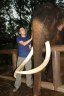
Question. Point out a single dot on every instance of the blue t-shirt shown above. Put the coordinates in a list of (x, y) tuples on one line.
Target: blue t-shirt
[(23, 51)]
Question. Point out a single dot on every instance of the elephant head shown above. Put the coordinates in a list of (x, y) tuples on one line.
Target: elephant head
[(47, 22)]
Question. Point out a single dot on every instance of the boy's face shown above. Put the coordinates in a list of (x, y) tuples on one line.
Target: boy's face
[(22, 31)]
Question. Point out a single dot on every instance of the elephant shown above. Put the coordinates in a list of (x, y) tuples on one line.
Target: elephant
[(46, 24)]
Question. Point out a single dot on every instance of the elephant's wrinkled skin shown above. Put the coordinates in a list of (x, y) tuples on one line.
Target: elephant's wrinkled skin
[(45, 21)]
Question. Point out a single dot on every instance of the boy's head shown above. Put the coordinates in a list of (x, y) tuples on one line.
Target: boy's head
[(22, 31)]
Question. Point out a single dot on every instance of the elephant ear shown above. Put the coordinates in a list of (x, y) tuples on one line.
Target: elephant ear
[(37, 69)]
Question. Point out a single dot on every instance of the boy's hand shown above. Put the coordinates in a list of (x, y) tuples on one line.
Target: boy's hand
[(31, 36)]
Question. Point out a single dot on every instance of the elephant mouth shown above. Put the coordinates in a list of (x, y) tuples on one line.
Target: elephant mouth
[(19, 70)]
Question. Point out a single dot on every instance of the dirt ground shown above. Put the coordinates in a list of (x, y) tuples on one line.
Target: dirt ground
[(6, 88), (6, 85)]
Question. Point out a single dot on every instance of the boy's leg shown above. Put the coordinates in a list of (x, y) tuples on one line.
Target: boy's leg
[(29, 79), (18, 77), (17, 83)]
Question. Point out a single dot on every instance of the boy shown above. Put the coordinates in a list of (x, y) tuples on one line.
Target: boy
[(24, 44)]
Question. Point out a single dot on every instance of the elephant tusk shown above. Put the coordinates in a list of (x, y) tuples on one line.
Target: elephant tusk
[(43, 65), (24, 62)]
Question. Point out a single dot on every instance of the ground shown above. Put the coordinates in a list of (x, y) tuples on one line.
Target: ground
[(6, 88), (6, 85)]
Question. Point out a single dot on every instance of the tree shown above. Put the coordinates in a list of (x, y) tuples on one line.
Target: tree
[(14, 13)]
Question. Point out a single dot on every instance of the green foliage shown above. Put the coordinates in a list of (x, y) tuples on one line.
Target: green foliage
[(14, 13), (17, 12)]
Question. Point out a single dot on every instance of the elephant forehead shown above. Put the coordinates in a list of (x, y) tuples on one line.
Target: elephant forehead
[(37, 25)]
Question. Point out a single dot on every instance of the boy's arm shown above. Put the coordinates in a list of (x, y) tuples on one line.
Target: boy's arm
[(26, 42)]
